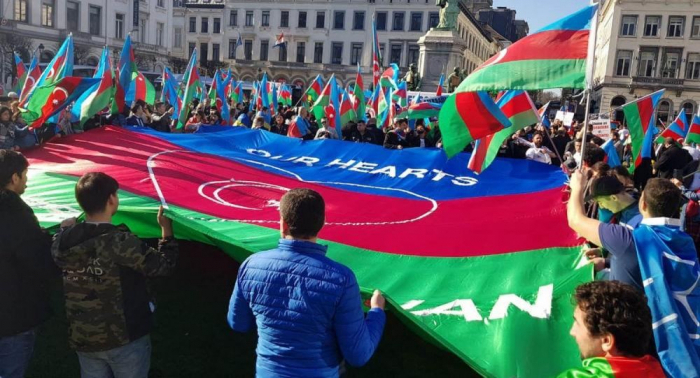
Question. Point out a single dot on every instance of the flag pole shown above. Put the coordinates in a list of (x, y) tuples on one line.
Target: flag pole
[(589, 84)]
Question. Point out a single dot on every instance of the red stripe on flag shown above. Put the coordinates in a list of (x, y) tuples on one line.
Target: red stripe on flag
[(476, 163), (475, 116), (555, 44), (517, 105)]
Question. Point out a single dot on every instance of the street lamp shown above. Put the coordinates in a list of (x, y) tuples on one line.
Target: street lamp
[(41, 51)]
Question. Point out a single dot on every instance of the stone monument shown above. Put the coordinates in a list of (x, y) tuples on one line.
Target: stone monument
[(441, 48)]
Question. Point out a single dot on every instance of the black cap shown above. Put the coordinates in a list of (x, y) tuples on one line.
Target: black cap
[(604, 186)]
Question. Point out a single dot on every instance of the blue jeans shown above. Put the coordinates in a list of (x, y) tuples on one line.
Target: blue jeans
[(132, 360), (15, 353)]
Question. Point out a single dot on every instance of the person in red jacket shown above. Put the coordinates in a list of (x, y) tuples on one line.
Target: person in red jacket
[(612, 327)]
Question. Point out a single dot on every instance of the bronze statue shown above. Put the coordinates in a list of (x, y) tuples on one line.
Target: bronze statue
[(454, 80), (412, 78), (449, 11)]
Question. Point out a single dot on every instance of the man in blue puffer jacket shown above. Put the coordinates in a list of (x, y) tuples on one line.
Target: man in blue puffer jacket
[(307, 307)]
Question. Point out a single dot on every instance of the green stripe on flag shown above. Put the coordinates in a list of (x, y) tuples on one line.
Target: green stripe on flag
[(455, 133), (528, 75)]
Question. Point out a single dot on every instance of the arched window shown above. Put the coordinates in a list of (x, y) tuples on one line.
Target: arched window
[(664, 112), (46, 56), (92, 61), (616, 102), (689, 109)]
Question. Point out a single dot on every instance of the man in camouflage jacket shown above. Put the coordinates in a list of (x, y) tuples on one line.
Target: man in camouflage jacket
[(105, 268)]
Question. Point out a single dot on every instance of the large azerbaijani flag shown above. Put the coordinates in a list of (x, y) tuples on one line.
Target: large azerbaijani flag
[(482, 287), (553, 57), (521, 112)]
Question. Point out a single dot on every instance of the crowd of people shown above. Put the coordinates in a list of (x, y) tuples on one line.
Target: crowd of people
[(311, 331), (159, 116)]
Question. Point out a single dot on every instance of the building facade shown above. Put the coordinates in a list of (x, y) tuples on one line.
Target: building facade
[(322, 37), (94, 24), (503, 20), (646, 45)]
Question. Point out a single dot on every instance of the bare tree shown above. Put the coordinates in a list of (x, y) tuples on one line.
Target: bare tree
[(9, 43), (80, 54), (177, 64)]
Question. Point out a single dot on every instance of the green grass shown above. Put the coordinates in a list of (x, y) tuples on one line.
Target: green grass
[(192, 339)]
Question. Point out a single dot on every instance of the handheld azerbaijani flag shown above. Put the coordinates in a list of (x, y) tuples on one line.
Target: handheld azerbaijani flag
[(694, 131), (640, 122), (676, 130), (553, 57)]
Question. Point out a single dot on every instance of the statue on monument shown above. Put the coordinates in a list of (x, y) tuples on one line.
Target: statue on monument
[(454, 80), (412, 78), (449, 11)]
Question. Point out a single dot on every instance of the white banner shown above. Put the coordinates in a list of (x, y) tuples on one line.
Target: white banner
[(567, 118), (600, 125)]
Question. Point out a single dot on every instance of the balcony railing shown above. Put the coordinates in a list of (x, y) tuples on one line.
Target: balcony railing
[(661, 81)]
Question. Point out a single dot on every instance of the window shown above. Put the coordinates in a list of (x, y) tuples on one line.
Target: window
[(264, 49), (217, 25), (73, 15), (647, 63), (265, 18), (395, 54), (413, 53), (142, 31), (318, 52), (159, 33), (205, 25), (664, 110), (302, 20), (301, 52), (689, 109), (381, 20), (337, 53), (284, 19), (119, 26), (248, 18), (671, 64), (283, 53), (356, 53), (47, 13), (232, 49), (651, 26), (191, 48), (675, 26), (693, 67), (624, 60), (233, 18), (433, 19), (320, 20), (695, 31), (161, 3), (248, 50), (416, 21), (193, 25), (398, 21), (215, 50), (382, 49), (95, 20), (21, 11), (629, 26), (204, 52), (339, 20), (358, 22), (177, 38)]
